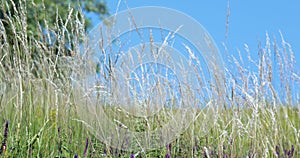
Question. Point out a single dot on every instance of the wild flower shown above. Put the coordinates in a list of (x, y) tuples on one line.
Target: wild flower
[(86, 147), (289, 153), (5, 135), (168, 155)]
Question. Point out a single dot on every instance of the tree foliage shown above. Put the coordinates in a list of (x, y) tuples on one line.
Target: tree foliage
[(35, 31), (51, 10)]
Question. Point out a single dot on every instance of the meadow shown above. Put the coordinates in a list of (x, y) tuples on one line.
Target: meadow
[(39, 114)]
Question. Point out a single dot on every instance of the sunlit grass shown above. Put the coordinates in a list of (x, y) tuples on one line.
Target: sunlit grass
[(40, 108)]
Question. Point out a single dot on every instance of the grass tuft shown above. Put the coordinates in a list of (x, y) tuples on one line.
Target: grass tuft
[(259, 117)]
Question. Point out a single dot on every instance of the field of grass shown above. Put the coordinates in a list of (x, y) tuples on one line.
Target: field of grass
[(39, 114)]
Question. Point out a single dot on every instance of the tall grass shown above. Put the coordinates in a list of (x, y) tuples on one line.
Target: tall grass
[(39, 108)]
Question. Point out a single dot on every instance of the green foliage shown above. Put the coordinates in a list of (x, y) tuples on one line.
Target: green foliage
[(38, 11), (54, 28)]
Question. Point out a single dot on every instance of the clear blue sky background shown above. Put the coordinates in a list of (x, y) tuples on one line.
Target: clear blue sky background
[(249, 21)]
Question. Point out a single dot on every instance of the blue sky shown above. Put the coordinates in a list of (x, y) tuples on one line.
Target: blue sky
[(249, 21)]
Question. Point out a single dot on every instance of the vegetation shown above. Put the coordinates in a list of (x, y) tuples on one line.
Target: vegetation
[(43, 21), (39, 110)]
